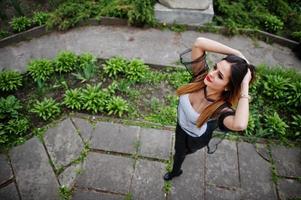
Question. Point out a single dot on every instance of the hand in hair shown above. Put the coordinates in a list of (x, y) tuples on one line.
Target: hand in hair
[(247, 78)]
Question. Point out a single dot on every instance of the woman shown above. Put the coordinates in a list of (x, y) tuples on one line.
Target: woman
[(206, 103)]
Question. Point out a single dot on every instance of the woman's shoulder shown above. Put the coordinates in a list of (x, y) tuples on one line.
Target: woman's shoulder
[(225, 108)]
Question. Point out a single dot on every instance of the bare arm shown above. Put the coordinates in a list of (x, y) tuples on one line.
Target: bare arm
[(239, 121), (201, 45)]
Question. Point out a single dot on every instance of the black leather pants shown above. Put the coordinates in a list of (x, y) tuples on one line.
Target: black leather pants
[(186, 144)]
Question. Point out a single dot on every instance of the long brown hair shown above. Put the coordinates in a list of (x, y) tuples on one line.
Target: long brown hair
[(239, 68)]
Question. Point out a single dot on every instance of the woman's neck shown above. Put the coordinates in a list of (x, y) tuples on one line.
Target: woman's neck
[(211, 94)]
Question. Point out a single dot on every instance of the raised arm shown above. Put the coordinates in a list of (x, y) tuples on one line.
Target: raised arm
[(239, 121), (202, 45)]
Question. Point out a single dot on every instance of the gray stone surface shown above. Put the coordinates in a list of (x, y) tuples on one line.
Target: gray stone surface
[(63, 143), (190, 185), (155, 143), (289, 189), (183, 16), (34, 176), (263, 151), (107, 41), (107, 173), (255, 174), (287, 161), (84, 127), (187, 4), (115, 137), (9, 192), (222, 166), (147, 181), (68, 176), (216, 193), (91, 195), (5, 170)]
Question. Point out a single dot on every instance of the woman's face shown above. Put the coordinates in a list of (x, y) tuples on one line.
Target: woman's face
[(217, 79)]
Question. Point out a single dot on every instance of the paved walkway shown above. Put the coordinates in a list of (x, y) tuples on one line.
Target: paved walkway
[(152, 45), (124, 161), (130, 160)]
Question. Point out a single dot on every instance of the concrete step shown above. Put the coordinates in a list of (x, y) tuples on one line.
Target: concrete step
[(183, 16)]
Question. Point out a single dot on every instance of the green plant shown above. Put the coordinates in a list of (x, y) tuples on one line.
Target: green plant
[(296, 35), (116, 8), (232, 27), (94, 99), (70, 13), (274, 126), (141, 12), (13, 130), (117, 106), (281, 85), (87, 67), (40, 70), (40, 18), (46, 109), (3, 34), (86, 59), (65, 193), (254, 122), (168, 166), (111, 89), (10, 80), (296, 124), (3, 136), (178, 28), (272, 23), (65, 61), (39, 132), (84, 153), (167, 186), (73, 99), (163, 114), (17, 6), (115, 66), (9, 107), (18, 126), (282, 17), (155, 77), (20, 24), (136, 70), (128, 196), (124, 86), (179, 78)]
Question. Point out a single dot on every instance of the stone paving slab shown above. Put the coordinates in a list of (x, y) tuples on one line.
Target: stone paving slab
[(191, 184), (147, 181), (287, 161), (255, 174), (216, 193), (85, 128), (68, 176), (222, 166), (5, 170), (92, 195), (34, 176), (115, 137), (289, 189), (155, 143), (263, 151), (63, 143), (107, 173), (9, 192)]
